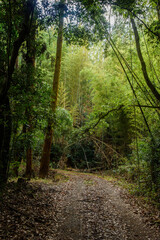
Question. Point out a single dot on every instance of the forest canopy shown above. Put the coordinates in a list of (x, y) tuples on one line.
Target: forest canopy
[(79, 88)]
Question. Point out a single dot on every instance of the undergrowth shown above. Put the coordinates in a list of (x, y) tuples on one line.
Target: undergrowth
[(135, 188)]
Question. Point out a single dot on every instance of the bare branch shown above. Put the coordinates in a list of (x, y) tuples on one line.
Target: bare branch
[(102, 116)]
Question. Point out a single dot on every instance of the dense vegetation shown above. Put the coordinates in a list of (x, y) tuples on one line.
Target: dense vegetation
[(80, 88)]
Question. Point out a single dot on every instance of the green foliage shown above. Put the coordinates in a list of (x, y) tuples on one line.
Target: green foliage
[(75, 83), (62, 133), (56, 154), (150, 153), (63, 123), (92, 83), (142, 167), (83, 156)]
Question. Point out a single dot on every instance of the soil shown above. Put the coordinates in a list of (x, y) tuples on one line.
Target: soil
[(78, 207)]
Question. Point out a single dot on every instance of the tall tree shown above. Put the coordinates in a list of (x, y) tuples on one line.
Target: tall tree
[(30, 61), (44, 166), (13, 46)]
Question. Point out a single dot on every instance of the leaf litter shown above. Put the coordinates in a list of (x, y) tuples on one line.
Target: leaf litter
[(82, 207)]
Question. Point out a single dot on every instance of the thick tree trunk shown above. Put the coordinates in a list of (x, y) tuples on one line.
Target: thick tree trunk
[(44, 166), (143, 64)]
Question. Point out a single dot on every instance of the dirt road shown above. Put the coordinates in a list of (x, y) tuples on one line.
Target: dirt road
[(84, 207)]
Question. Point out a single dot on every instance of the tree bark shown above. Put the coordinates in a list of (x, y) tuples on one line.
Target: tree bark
[(30, 61), (143, 64), (44, 166)]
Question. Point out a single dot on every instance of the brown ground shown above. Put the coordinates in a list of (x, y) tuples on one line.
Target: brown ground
[(83, 207)]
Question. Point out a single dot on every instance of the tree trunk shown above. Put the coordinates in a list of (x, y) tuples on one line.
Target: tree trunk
[(143, 64), (5, 127), (28, 163), (30, 61), (44, 166), (29, 8), (19, 152), (158, 9), (152, 88), (5, 111)]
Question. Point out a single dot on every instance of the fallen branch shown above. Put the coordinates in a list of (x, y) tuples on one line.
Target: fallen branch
[(107, 145), (104, 155)]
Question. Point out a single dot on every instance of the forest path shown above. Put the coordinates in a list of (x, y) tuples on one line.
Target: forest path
[(82, 207), (90, 207)]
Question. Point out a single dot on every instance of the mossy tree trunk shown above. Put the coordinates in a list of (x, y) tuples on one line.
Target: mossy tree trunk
[(44, 165)]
